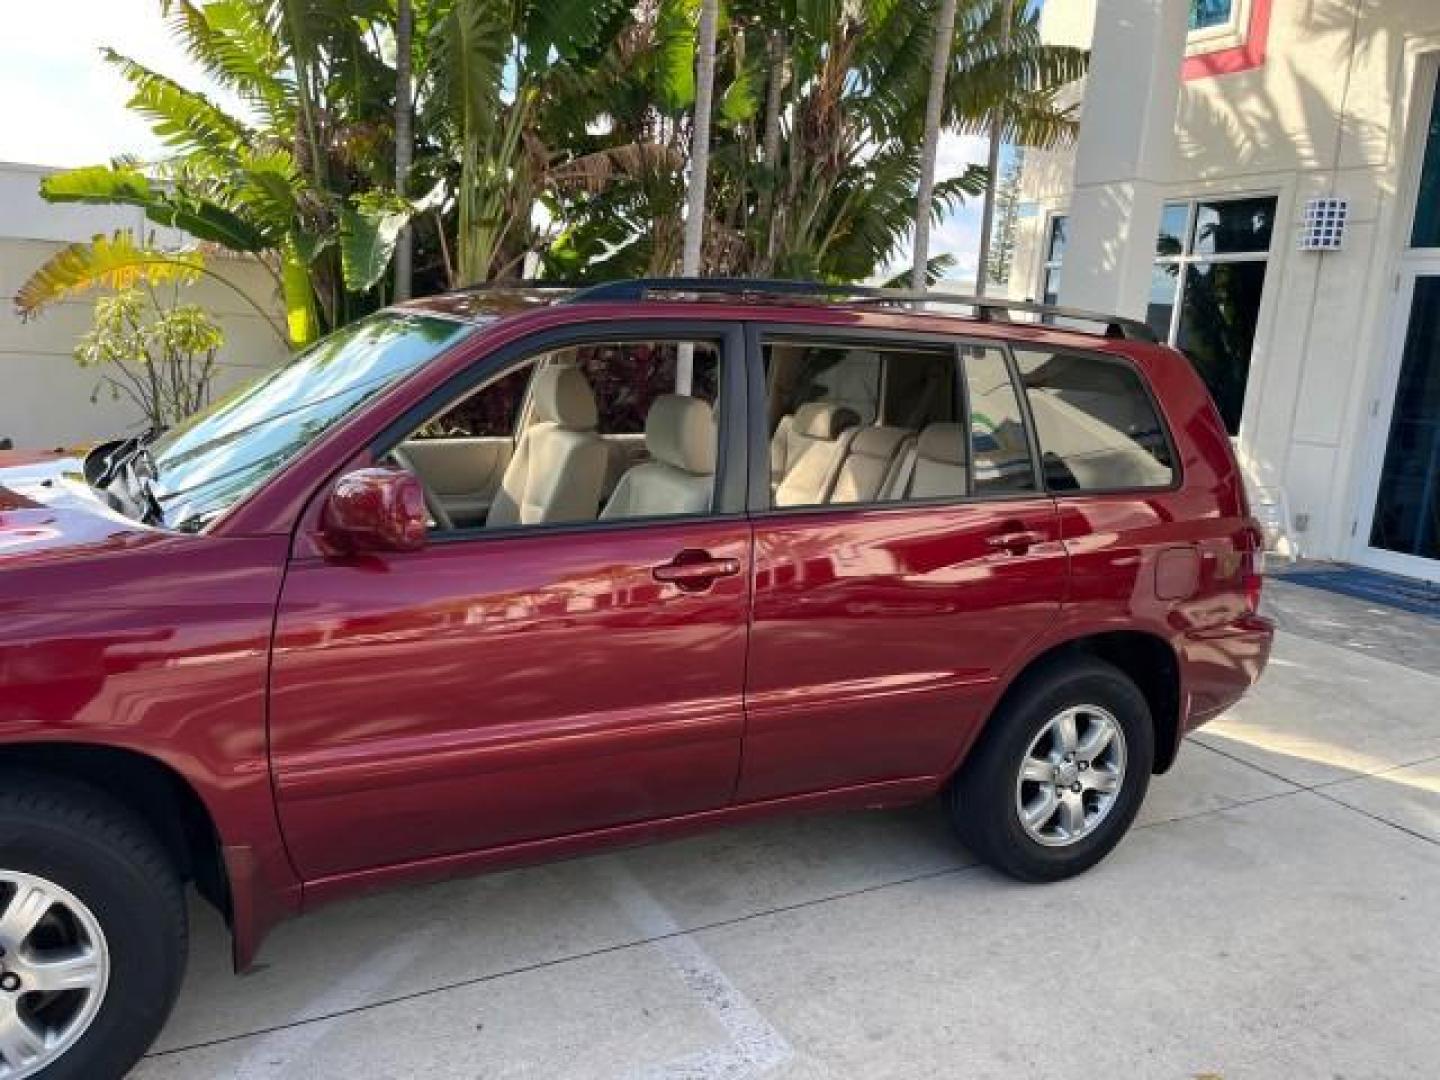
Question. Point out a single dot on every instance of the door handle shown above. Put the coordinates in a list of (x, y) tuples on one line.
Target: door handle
[(1016, 543), (695, 571)]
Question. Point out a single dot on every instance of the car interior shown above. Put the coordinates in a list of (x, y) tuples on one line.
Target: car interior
[(611, 431), (880, 424), (598, 432)]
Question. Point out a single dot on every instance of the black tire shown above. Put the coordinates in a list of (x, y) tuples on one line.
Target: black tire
[(981, 798), (88, 844)]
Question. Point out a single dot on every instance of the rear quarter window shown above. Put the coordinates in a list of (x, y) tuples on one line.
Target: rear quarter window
[(1096, 424)]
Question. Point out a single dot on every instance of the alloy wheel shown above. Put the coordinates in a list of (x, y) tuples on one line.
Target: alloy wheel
[(54, 969), (1071, 775)]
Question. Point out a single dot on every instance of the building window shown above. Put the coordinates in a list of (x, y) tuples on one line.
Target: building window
[(1224, 32), (1209, 14), (1205, 289), (1054, 256)]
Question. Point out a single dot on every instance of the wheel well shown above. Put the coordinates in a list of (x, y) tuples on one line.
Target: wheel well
[(1149, 662), (150, 789)]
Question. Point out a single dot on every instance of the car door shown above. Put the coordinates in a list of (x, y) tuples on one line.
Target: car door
[(885, 614), (504, 685)]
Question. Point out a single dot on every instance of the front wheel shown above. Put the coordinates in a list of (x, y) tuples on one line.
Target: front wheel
[(1060, 773), (92, 933)]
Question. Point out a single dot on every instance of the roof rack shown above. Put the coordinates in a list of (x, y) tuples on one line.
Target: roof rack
[(986, 309)]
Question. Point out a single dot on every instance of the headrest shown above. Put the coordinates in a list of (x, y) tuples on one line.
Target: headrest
[(822, 420), (878, 442), (563, 396), (944, 443), (680, 431)]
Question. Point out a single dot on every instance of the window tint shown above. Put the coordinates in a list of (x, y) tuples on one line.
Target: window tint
[(629, 376), (605, 437), (999, 451), (1426, 230), (850, 423), (1097, 427), (1234, 226), (1205, 14), (492, 412), (1206, 287)]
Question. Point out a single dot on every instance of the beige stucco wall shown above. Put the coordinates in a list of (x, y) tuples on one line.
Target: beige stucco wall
[(44, 394), (1328, 113)]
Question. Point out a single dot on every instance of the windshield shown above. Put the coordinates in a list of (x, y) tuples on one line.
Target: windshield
[(212, 460)]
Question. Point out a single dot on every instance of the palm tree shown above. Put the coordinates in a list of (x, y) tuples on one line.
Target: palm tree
[(818, 158), (298, 187), (992, 167), (404, 137), (934, 104), (700, 139)]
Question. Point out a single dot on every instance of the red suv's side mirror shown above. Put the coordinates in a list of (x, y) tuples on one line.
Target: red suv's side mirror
[(376, 510)]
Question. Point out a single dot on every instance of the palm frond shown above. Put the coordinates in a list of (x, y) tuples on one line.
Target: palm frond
[(183, 119), (113, 262)]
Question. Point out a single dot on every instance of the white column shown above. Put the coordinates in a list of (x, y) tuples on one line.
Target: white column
[(1127, 135)]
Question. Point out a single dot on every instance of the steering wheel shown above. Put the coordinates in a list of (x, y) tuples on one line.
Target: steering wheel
[(436, 509)]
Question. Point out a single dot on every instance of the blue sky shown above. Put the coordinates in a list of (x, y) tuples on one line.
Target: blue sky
[(67, 104)]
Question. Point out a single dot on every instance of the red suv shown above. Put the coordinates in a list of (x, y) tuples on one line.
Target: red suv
[(498, 577)]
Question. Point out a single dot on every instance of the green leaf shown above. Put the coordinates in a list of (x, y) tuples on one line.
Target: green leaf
[(740, 102), (108, 186), (185, 120), (300, 319), (370, 226), (114, 262), (676, 26)]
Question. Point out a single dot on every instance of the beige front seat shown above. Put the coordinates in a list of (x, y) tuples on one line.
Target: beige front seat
[(934, 467), (680, 477), (558, 468), (806, 452)]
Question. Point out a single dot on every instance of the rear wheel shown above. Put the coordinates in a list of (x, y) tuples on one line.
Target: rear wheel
[(1060, 773), (92, 933)]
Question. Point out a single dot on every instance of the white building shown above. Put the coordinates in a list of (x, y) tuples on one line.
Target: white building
[(1209, 130), (44, 395)]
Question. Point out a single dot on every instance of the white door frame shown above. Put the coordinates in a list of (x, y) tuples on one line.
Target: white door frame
[(1413, 265)]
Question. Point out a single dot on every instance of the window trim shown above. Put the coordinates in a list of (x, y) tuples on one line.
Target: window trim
[(728, 503), (1177, 465), (756, 335)]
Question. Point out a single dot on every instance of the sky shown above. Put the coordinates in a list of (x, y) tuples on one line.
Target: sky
[(68, 105)]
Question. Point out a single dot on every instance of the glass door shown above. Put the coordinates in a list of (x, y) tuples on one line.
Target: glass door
[(1403, 531), (1405, 527)]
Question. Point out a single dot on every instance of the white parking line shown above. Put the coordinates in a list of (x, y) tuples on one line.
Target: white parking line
[(283, 1053), (755, 1047)]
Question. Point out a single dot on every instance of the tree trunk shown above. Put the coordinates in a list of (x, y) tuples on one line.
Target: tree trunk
[(699, 172), (997, 132), (404, 139), (700, 139), (934, 102), (770, 143)]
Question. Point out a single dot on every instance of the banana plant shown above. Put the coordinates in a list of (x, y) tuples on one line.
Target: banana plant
[(266, 185), (119, 262), (496, 66)]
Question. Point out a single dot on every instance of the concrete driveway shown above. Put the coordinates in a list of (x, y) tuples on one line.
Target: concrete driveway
[(1276, 914)]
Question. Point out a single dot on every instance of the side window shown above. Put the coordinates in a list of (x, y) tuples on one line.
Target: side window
[(595, 433), (999, 449), (493, 412), (1097, 427), (862, 423)]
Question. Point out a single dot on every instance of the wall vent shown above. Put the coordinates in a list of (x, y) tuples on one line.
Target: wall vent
[(1324, 226)]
